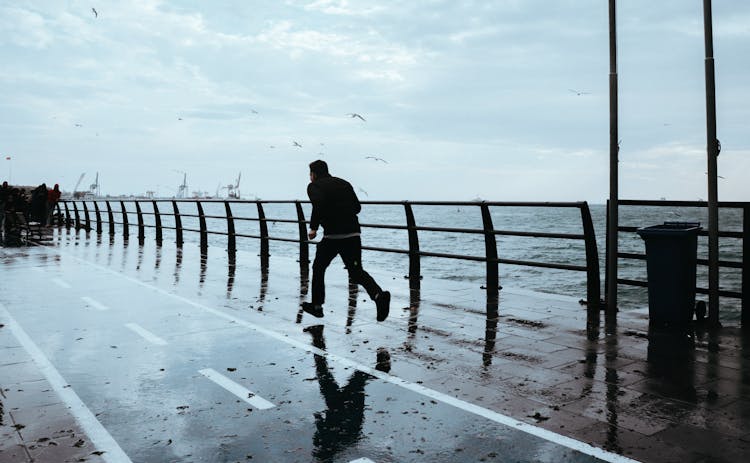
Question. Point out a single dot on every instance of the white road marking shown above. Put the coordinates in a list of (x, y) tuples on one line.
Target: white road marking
[(236, 389), (60, 283), (93, 303), (491, 415), (95, 431), (146, 334)]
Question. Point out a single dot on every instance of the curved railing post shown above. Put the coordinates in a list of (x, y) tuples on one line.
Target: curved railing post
[(177, 225), (141, 226), (86, 216), (59, 213), (125, 226), (593, 287), (745, 317), (231, 238), (157, 224), (490, 249), (98, 219), (67, 215), (304, 245), (204, 231), (111, 219), (263, 235), (78, 218), (414, 264)]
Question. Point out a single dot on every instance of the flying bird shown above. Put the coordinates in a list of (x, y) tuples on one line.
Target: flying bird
[(353, 115), (253, 111), (579, 93), (363, 191), (717, 175), (96, 14), (294, 143), (79, 125), (376, 159), (271, 146)]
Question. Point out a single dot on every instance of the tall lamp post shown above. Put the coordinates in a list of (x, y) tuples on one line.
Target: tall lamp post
[(610, 317), (712, 153)]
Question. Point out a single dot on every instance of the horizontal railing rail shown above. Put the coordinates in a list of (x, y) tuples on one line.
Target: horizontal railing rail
[(743, 235), (490, 256)]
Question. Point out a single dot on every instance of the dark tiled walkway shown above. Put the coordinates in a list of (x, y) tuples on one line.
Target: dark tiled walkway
[(647, 400)]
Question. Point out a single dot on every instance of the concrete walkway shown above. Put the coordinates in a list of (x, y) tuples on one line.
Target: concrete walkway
[(115, 352)]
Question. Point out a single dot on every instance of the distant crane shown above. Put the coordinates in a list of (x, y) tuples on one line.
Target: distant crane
[(94, 187), (182, 190), (76, 193), (233, 190)]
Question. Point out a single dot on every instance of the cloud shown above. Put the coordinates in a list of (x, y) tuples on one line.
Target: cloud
[(24, 28), (342, 8)]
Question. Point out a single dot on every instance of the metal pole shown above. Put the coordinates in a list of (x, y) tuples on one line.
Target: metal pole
[(712, 153), (610, 319)]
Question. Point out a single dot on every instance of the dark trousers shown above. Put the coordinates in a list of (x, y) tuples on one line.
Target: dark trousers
[(350, 250)]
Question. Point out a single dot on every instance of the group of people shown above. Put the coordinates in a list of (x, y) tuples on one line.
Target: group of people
[(34, 204)]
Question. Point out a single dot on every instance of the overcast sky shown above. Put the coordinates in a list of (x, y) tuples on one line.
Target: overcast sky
[(463, 99)]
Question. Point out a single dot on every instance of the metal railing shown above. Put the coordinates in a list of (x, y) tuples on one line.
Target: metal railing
[(743, 265), (490, 258)]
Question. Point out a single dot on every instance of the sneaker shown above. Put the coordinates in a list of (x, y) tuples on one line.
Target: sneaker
[(312, 309), (383, 303)]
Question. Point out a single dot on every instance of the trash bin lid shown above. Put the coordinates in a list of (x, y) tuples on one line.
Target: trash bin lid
[(670, 229)]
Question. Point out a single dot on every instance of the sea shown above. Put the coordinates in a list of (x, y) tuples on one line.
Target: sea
[(512, 218)]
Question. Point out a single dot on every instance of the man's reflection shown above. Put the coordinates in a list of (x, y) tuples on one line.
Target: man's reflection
[(340, 426)]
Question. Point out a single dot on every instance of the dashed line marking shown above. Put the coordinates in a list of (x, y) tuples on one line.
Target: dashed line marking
[(146, 334), (491, 415), (93, 303), (236, 389), (61, 283), (95, 431)]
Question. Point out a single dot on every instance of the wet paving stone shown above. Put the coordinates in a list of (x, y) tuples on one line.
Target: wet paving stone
[(139, 365)]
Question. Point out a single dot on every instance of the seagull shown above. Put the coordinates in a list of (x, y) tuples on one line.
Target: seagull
[(353, 115), (96, 14), (717, 175), (294, 143), (271, 146), (578, 92), (79, 125), (376, 159), (179, 118), (363, 191), (253, 111)]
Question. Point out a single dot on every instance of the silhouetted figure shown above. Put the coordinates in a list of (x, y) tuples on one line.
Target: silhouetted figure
[(335, 206), (38, 204), (53, 196), (340, 426)]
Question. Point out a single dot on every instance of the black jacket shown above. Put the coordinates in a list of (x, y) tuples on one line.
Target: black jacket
[(335, 206)]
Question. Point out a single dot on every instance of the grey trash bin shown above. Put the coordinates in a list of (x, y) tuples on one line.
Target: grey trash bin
[(671, 255)]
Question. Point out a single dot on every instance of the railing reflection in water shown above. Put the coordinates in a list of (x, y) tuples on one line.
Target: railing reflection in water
[(491, 258)]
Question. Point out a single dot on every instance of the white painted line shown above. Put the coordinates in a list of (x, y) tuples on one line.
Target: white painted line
[(146, 334), (236, 389), (542, 433), (60, 283), (93, 303), (95, 431), (362, 460)]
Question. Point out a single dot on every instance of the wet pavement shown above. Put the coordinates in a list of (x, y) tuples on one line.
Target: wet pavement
[(119, 352)]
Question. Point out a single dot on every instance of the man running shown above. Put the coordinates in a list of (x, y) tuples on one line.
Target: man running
[(335, 206)]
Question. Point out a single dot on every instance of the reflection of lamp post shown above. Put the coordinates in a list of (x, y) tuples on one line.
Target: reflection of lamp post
[(10, 169)]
